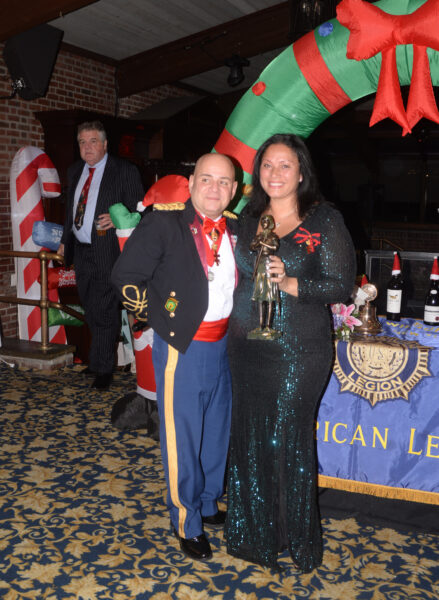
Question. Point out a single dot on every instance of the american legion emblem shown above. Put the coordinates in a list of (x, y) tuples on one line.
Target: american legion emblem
[(380, 368)]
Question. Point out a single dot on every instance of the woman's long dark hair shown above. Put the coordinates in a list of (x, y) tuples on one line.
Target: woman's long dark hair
[(308, 192)]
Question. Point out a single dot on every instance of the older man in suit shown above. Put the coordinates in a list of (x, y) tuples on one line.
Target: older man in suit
[(89, 240)]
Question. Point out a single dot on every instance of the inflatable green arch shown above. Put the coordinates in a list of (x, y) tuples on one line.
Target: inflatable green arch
[(383, 45), (313, 78)]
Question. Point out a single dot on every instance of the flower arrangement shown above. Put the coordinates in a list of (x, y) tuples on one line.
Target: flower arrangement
[(343, 319)]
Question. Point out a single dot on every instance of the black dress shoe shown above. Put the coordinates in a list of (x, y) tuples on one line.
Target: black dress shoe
[(102, 381), (215, 520), (197, 548)]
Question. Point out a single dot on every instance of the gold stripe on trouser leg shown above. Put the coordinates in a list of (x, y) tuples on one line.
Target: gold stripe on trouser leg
[(171, 438)]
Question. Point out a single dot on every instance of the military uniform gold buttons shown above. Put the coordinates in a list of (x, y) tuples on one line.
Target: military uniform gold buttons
[(171, 333)]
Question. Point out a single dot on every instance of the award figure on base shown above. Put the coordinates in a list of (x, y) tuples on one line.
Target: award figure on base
[(265, 292)]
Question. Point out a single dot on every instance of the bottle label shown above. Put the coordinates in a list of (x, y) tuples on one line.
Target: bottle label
[(431, 314), (394, 301)]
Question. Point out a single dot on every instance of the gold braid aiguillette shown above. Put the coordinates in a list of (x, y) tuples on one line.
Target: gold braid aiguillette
[(135, 302)]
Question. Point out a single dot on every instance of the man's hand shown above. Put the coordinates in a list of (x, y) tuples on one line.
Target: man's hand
[(105, 221), (60, 250)]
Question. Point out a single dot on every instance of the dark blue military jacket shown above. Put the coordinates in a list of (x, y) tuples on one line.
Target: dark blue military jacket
[(161, 277)]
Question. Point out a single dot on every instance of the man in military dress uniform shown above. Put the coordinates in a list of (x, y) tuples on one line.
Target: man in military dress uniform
[(177, 274)]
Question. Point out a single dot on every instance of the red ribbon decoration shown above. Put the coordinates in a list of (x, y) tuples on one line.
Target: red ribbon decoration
[(317, 74), (310, 239), (372, 31), (229, 144)]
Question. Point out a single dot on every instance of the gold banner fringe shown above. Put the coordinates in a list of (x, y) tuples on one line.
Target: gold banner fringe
[(374, 489)]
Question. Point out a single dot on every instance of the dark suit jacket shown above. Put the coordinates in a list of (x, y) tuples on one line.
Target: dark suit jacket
[(160, 276), (120, 183)]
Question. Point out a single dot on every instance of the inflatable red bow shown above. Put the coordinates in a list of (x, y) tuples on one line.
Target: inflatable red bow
[(372, 31)]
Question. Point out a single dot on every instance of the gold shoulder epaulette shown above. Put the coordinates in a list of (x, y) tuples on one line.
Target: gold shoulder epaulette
[(169, 206), (229, 214)]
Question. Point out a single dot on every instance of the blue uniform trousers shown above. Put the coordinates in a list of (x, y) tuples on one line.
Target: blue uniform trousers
[(194, 398)]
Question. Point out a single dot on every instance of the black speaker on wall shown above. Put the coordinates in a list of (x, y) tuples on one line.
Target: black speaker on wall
[(30, 57)]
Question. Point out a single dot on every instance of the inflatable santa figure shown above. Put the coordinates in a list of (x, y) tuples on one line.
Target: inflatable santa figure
[(139, 409)]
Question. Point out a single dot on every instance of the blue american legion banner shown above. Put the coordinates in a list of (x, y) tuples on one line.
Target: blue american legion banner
[(378, 422)]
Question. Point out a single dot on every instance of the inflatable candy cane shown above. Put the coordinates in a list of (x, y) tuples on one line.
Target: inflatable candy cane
[(32, 175)]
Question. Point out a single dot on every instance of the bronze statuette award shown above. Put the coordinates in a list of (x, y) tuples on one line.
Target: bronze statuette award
[(265, 292)]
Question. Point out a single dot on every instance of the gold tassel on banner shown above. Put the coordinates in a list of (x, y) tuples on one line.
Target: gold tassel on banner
[(374, 489)]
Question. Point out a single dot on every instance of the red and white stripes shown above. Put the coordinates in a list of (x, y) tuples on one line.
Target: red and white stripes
[(32, 175)]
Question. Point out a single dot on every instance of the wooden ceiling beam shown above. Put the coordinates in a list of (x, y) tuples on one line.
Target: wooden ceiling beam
[(22, 15), (247, 36)]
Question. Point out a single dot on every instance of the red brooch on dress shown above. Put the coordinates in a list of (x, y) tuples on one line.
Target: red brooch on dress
[(310, 239)]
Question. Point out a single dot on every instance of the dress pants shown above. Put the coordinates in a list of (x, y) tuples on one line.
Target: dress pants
[(194, 400), (101, 306)]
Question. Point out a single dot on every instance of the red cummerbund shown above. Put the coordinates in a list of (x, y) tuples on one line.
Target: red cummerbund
[(212, 331)]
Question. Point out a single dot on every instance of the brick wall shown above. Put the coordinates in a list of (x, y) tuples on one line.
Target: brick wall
[(77, 82)]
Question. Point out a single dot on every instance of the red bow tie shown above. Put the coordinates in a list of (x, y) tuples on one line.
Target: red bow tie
[(215, 230), (209, 225)]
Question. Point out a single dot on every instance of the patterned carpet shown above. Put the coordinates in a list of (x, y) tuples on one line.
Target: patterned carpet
[(82, 516)]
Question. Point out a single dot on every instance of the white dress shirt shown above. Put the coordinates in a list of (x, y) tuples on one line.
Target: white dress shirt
[(223, 283), (83, 234)]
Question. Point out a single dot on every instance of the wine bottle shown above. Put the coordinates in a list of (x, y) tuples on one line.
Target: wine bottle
[(431, 308), (434, 275), (394, 291)]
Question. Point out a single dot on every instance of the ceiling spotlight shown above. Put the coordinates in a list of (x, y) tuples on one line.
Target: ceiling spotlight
[(236, 75)]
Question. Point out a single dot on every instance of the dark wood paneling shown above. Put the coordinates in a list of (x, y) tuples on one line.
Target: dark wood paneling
[(247, 36), (16, 17)]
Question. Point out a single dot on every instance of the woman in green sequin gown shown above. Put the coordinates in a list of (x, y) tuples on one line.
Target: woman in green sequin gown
[(277, 384)]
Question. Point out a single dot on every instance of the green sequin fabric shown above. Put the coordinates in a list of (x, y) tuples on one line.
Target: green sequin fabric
[(277, 385)]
